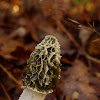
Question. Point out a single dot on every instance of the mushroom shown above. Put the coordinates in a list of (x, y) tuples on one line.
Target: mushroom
[(42, 74)]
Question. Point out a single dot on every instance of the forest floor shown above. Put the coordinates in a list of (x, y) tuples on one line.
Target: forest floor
[(75, 23)]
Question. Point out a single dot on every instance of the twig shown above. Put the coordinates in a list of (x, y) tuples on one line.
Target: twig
[(91, 28), (96, 40), (92, 58), (10, 75), (68, 34), (66, 61), (6, 93)]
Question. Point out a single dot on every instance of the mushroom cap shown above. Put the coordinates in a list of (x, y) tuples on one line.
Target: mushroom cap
[(42, 73)]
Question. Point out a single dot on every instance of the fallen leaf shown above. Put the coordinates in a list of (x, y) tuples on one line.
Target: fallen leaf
[(21, 53), (77, 80), (3, 98), (50, 97), (8, 45)]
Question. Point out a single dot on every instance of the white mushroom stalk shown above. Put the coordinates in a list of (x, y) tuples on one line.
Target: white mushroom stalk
[(31, 95), (42, 73)]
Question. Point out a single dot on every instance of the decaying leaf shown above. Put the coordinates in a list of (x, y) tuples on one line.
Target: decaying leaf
[(20, 53), (77, 80), (24, 23), (7, 46)]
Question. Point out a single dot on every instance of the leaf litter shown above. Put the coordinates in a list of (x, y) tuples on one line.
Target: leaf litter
[(22, 28)]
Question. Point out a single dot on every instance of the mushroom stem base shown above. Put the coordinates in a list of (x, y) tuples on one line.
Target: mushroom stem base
[(28, 94)]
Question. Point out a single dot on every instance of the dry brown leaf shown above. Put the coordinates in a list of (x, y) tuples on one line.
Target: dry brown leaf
[(15, 49), (3, 98), (50, 97), (8, 45), (21, 53), (78, 79)]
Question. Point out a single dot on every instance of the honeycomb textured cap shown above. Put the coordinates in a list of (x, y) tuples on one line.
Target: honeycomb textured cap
[(42, 73)]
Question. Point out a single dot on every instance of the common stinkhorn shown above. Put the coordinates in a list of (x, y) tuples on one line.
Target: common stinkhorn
[(42, 74)]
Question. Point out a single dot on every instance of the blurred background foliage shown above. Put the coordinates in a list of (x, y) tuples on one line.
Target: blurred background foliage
[(75, 23)]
